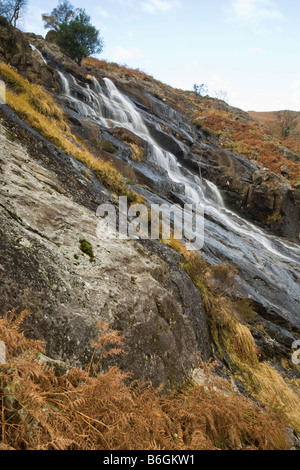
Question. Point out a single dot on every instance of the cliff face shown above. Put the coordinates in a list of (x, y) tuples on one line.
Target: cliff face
[(45, 212), (48, 203)]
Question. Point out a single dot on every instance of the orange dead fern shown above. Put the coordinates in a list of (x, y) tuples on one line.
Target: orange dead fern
[(92, 410)]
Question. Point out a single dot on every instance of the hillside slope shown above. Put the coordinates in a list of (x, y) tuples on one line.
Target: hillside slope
[(73, 138), (272, 123)]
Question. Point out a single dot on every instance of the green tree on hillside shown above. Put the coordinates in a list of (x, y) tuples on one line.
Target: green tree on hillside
[(78, 38)]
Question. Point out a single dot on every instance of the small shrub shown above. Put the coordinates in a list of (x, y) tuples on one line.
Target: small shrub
[(224, 277), (197, 124), (158, 96), (107, 146), (87, 249)]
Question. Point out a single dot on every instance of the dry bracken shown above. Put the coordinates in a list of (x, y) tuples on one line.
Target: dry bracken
[(93, 410)]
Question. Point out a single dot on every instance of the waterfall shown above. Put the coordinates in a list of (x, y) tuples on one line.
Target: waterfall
[(126, 115), (39, 52), (113, 109), (213, 193), (64, 83)]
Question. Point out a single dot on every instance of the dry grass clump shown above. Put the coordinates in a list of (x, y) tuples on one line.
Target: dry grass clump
[(37, 107), (93, 410), (269, 386), (232, 337), (137, 153)]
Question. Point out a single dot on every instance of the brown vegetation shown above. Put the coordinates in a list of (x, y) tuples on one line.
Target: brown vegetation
[(270, 121), (248, 138), (94, 410), (233, 338), (117, 68)]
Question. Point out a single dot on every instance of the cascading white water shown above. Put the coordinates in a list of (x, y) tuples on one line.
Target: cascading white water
[(64, 83), (39, 52), (126, 115), (112, 109), (214, 193)]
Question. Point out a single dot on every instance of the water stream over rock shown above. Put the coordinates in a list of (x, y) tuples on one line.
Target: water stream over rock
[(269, 267)]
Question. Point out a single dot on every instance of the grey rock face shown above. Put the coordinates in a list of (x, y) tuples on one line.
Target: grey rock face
[(47, 204), (294, 439), (2, 352), (133, 287)]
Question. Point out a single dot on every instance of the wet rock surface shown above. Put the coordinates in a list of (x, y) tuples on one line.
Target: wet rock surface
[(48, 205), (257, 194), (43, 270)]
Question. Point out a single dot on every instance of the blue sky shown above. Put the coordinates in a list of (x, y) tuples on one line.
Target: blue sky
[(249, 48)]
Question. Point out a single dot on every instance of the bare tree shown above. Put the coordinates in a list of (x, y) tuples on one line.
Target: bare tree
[(63, 13), (221, 95), (286, 122), (12, 10), (200, 89)]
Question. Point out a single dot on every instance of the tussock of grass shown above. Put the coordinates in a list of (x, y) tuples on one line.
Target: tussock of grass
[(107, 146), (37, 107), (231, 336), (268, 385), (90, 410), (137, 153)]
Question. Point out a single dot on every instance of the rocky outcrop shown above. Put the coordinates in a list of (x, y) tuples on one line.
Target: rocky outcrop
[(17, 51), (13, 46), (258, 194), (47, 205)]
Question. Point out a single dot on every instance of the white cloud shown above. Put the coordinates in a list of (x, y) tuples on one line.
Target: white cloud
[(160, 6), (102, 12), (255, 10), (121, 54), (33, 21)]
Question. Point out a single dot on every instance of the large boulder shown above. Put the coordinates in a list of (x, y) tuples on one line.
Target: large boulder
[(13, 46)]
